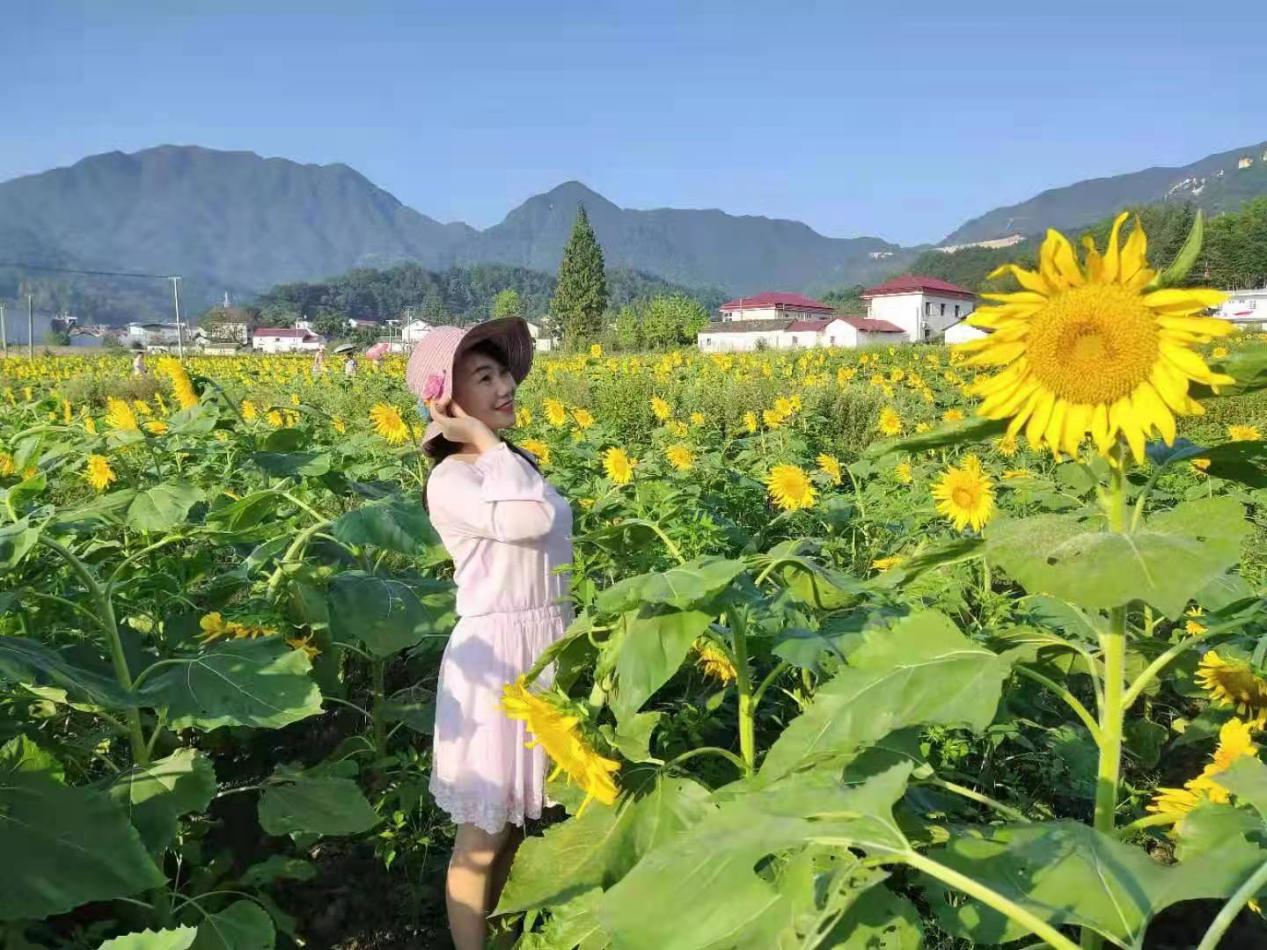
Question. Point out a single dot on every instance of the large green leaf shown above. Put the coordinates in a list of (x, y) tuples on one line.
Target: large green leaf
[(261, 683), (973, 429), (1165, 563), (922, 670), (64, 847), (178, 938), (1183, 262), (293, 464), (681, 587), (35, 664), (1067, 873), (385, 614), (245, 513), (1246, 778), (23, 754), (652, 649), (16, 540), (702, 884), (570, 925), (397, 524), (316, 805), (948, 552), (878, 920), (598, 847), (154, 796), (163, 506), (243, 925)]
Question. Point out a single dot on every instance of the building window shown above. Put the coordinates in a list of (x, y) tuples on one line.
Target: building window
[(943, 310), (928, 309), (956, 311)]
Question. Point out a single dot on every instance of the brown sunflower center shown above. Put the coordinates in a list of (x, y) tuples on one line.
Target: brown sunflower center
[(1093, 344), (963, 496)]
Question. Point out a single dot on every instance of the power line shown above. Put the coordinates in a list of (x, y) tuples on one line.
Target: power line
[(91, 273)]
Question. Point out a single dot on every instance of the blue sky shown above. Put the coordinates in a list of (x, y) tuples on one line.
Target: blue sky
[(896, 119)]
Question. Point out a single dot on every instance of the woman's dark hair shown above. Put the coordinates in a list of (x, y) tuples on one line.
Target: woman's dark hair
[(440, 448)]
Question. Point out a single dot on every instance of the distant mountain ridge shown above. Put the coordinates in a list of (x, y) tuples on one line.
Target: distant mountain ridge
[(246, 221), (1215, 183)]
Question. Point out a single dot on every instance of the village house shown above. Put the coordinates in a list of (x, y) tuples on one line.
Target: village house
[(775, 305), (414, 330), (154, 336), (1246, 308), (286, 340), (542, 342), (731, 336), (922, 307)]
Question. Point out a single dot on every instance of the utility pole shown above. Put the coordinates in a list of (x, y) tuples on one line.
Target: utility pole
[(4, 332), (30, 329), (180, 338)]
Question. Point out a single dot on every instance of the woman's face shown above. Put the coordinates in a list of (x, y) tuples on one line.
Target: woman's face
[(485, 389)]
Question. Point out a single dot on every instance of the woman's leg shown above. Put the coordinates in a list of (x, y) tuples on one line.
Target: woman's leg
[(501, 870), (469, 884)]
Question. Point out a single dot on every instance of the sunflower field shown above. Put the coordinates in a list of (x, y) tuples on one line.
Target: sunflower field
[(902, 647)]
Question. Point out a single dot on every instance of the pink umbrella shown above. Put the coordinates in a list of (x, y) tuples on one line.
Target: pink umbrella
[(377, 351)]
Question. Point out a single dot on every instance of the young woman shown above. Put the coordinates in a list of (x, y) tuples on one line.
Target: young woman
[(508, 531)]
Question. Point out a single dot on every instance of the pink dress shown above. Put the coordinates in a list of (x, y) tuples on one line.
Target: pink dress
[(508, 531)]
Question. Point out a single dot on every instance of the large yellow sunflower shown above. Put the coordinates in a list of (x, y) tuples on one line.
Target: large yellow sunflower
[(557, 734), (119, 415), (1235, 742), (389, 424), (1234, 683), (1086, 348), (618, 466), (965, 494), (790, 488), (680, 457), (98, 472), (714, 662)]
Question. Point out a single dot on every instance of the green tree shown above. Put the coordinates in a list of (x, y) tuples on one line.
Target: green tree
[(508, 303), (629, 327), (672, 321), (580, 294), (433, 309)]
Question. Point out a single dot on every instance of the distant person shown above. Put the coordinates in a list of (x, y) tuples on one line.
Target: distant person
[(138, 364), (349, 366), (319, 363)]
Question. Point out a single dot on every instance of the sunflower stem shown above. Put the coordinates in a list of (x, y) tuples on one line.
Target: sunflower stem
[(1244, 894), (1113, 651), (743, 683)]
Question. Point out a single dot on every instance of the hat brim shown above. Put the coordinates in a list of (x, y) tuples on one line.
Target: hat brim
[(511, 334)]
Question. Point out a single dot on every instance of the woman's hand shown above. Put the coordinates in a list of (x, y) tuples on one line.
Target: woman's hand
[(456, 426)]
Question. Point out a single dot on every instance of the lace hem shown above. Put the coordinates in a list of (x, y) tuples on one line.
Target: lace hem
[(466, 808)]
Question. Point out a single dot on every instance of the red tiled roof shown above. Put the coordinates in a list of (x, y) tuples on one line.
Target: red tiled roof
[(777, 299), (807, 326), (867, 325), (914, 283), (285, 333)]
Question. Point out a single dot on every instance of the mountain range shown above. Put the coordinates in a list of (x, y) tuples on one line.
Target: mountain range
[(239, 222)]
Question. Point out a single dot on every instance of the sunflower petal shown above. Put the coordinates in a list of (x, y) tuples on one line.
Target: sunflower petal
[(1064, 263), (1134, 253), (1113, 251), (1038, 421), (1180, 300)]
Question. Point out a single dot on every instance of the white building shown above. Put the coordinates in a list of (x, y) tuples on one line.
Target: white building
[(414, 330), (923, 308), (286, 340), (730, 336), (1246, 308), (541, 341), (775, 305), (360, 323), (962, 332), (155, 335)]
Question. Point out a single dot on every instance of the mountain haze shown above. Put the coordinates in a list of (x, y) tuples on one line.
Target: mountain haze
[(1214, 183)]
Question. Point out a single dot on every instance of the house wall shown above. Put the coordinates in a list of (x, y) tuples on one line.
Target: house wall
[(739, 342), (289, 344), (771, 313), (921, 316)]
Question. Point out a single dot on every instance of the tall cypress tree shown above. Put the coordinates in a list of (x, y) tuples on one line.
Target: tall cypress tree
[(580, 294)]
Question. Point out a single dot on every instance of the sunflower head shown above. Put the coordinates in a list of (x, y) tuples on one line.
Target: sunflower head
[(714, 662), (965, 494), (1086, 348), (539, 450), (830, 466), (790, 487), (890, 422), (98, 472), (680, 457), (1233, 682), (389, 424), (1243, 433), (618, 466)]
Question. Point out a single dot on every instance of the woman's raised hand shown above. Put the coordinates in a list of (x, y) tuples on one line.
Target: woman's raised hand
[(456, 426)]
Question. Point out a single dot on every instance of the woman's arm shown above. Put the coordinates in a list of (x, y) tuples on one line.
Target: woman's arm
[(499, 496)]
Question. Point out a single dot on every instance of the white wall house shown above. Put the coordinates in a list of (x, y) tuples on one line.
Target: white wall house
[(415, 330), (154, 335), (541, 341), (1246, 308), (731, 336), (775, 305), (962, 332), (286, 340), (922, 307)]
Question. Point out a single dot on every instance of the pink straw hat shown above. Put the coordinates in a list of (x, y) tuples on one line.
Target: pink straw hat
[(429, 374)]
